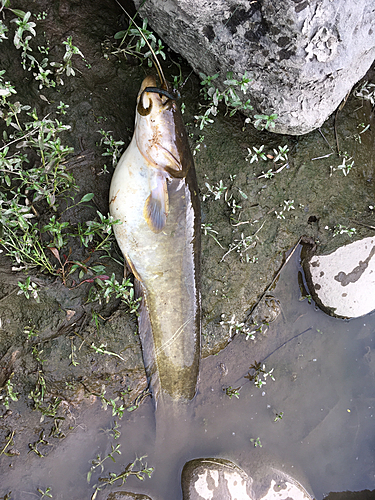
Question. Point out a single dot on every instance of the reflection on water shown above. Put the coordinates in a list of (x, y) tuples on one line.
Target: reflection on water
[(324, 369)]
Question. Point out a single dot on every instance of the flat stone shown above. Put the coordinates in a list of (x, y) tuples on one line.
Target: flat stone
[(125, 495), (343, 282), (214, 479), (220, 479)]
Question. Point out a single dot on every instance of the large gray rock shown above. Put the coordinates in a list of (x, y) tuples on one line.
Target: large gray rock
[(220, 479), (343, 282), (304, 55)]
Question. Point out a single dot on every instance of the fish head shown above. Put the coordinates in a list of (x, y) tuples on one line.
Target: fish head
[(159, 130)]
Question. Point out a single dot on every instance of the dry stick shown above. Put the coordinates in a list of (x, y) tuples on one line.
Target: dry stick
[(276, 349), (9, 294), (321, 133), (266, 291), (361, 224), (286, 342), (321, 157), (276, 276), (335, 129), (24, 136)]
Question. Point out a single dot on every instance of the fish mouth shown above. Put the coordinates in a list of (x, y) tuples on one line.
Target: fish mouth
[(155, 90)]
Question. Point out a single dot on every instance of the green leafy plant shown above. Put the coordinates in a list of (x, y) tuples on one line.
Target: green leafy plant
[(241, 246), (37, 394), (25, 189), (278, 416), (230, 391), (45, 494), (141, 473), (35, 446), (208, 230), (102, 350), (24, 25), (100, 230), (113, 148), (256, 442), (73, 353), (8, 394), (345, 168), (235, 326), (55, 228), (256, 154), (109, 287), (288, 205), (278, 155), (133, 43), (367, 92), (29, 289), (229, 96), (216, 191), (97, 463), (341, 229), (9, 442), (138, 400), (118, 409), (3, 28), (113, 431), (67, 66), (256, 372), (264, 122)]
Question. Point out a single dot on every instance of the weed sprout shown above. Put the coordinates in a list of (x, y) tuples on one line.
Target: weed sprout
[(229, 97), (256, 372)]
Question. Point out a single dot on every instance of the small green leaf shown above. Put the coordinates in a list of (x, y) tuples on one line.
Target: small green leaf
[(18, 12), (119, 35), (87, 197)]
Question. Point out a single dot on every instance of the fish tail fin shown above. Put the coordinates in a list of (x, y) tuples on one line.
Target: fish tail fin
[(157, 205)]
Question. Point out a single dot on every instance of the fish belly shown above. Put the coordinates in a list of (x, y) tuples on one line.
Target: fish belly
[(165, 265)]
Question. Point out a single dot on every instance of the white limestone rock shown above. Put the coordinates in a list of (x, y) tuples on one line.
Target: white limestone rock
[(220, 479), (343, 282)]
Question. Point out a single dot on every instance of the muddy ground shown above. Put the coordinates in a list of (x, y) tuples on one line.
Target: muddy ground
[(270, 214)]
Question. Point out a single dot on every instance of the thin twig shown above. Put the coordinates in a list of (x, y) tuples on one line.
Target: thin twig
[(20, 138), (321, 157), (24, 136), (276, 277), (321, 133), (361, 224), (9, 294)]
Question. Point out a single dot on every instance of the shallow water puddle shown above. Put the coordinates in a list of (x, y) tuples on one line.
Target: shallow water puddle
[(324, 370)]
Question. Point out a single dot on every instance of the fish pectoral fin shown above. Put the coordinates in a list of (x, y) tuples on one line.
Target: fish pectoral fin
[(130, 265), (156, 207)]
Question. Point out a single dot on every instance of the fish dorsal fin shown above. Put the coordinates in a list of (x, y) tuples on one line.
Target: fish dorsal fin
[(156, 207)]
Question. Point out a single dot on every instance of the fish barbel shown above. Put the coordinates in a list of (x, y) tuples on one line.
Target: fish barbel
[(154, 194)]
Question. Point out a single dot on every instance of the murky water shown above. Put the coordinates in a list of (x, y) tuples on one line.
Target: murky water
[(324, 370)]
